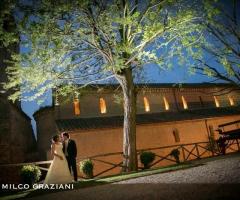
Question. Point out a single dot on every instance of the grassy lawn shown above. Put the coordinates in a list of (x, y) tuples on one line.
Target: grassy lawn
[(116, 178)]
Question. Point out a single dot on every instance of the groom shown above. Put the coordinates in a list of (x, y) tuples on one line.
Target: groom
[(70, 151)]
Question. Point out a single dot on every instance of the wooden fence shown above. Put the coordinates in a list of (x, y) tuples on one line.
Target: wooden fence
[(188, 152), (111, 163)]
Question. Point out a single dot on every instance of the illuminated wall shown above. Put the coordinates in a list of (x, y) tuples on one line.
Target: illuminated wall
[(149, 100)]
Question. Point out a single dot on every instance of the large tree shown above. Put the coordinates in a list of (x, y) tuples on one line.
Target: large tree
[(72, 42)]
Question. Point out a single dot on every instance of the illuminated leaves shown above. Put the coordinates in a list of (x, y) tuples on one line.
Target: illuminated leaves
[(85, 41)]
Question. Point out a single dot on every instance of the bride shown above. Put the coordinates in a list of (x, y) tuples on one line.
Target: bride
[(58, 171)]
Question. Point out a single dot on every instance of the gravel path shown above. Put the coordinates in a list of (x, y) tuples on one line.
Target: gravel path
[(219, 179), (220, 171)]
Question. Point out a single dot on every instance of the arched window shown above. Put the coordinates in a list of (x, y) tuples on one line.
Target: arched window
[(176, 135), (102, 105), (231, 101), (184, 102), (166, 104), (76, 105), (146, 104), (216, 101)]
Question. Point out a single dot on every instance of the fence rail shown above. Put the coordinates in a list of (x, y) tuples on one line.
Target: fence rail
[(29, 163), (111, 163)]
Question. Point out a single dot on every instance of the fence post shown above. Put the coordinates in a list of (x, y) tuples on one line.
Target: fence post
[(212, 146), (238, 145), (184, 158), (197, 151)]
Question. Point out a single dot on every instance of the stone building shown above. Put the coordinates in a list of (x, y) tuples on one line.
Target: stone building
[(17, 141), (166, 115)]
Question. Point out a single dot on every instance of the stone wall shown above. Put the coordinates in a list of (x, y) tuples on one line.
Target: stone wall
[(22, 135), (17, 142), (16, 133), (100, 141), (46, 128), (103, 141)]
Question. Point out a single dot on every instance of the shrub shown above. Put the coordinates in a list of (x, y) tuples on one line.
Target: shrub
[(86, 167), (212, 145), (30, 174), (175, 153), (147, 158)]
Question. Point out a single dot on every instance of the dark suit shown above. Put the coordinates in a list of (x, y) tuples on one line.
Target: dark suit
[(71, 156)]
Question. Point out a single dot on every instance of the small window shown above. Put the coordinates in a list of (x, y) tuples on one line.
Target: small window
[(146, 104), (216, 101), (56, 100), (184, 102), (231, 101), (166, 104), (176, 135), (102, 105), (76, 104)]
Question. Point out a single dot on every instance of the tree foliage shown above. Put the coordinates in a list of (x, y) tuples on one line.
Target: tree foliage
[(73, 42), (221, 47), (7, 37)]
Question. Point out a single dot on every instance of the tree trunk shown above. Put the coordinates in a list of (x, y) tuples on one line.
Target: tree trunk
[(129, 128)]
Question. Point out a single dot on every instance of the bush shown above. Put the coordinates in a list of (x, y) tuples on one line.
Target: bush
[(30, 174), (212, 145), (147, 158), (86, 167), (175, 153)]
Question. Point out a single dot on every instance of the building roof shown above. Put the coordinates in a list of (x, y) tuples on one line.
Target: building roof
[(160, 85), (117, 121)]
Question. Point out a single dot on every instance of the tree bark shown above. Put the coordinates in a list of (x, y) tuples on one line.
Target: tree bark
[(129, 127)]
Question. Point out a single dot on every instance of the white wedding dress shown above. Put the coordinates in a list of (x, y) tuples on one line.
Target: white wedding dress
[(58, 172)]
